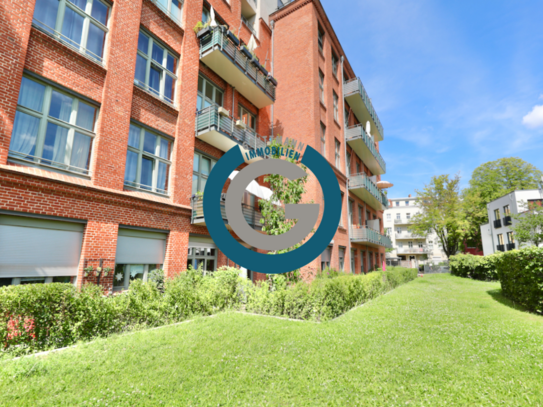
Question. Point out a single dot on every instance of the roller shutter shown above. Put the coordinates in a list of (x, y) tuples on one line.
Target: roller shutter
[(140, 247)]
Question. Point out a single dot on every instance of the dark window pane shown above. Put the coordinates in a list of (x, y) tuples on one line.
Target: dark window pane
[(95, 41), (143, 43), (100, 11), (141, 67), (134, 136), (72, 27), (158, 53), (82, 4), (154, 80), (86, 116), (164, 149), (146, 173), (206, 166), (46, 13), (169, 88), (54, 148), (131, 169), (209, 91), (118, 276), (210, 266), (31, 94), (149, 143), (64, 280), (170, 63), (200, 84), (61, 106), (25, 131)]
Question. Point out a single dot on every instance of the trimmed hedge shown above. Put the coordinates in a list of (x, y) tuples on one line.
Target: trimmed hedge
[(45, 316), (324, 298), (475, 267), (521, 276)]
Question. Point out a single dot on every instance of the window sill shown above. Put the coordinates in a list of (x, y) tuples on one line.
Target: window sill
[(136, 189), (322, 104), (337, 123), (321, 53), (72, 48), (170, 105), (52, 168)]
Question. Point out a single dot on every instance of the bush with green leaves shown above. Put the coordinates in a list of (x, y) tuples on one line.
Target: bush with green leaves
[(45, 316), (521, 277), (475, 267)]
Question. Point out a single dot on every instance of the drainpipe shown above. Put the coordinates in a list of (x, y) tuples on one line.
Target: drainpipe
[(233, 109), (346, 166), (272, 24)]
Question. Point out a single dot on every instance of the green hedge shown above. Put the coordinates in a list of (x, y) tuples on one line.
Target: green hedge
[(521, 277), (475, 267), (324, 298), (45, 316)]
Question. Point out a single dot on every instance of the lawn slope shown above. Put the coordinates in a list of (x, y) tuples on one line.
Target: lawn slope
[(437, 341)]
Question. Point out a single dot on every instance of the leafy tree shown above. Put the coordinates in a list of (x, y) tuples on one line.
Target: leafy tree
[(529, 225), (288, 192), (495, 179), (442, 212)]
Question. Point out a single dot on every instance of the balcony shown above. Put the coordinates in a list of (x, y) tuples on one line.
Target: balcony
[(507, 221), (403, 221), (369, 237), (364, 146), (358, 99), (221, 131), (413, 250), (500, 248), (252, 216), (407, 236), (497, 223), (365, 189), (510, 246), (220, 53)]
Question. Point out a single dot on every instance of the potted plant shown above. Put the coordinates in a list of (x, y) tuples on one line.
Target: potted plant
[(201, 29), (233, 37), (88, 270), (246, 52)]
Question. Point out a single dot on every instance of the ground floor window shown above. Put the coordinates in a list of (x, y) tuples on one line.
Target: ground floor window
[(126, 273), (325, 258), (34, 280), (205, 257)]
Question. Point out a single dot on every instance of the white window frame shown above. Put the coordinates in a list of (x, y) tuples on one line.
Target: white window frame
[(37, 158), (156, 160), (164, 71), (56, 31)]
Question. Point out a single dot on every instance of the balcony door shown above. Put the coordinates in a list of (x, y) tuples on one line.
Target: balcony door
[(208, 94)]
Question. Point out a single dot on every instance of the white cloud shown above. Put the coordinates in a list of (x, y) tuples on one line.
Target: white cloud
[(534, 118)]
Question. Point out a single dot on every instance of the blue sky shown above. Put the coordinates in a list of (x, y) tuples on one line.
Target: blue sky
[(455, 83)]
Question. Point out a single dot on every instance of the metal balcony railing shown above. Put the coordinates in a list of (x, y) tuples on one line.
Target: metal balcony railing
[(251, 214), (403, 221), (209, 119), (363, 181), (355, 86), (217, 38), (413, 250), (356, 132), (366, 234), (408, 236)]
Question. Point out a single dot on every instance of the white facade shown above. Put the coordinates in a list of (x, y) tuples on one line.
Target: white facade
[(409, 248), (497, 235)]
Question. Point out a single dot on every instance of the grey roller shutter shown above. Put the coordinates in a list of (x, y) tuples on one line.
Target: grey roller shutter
[(325, 256), (205, 242), (140, 247), (31, 247)]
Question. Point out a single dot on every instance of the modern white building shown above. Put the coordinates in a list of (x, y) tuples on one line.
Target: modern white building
[(411, 250), (497, 235)]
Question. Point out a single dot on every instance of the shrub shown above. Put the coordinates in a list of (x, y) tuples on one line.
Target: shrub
[(521, 277), (475, 267)]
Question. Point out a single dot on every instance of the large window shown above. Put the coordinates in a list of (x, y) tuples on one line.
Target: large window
[(336, 107), (155, 68), (81, 24), (323, 140), (202, 166), (208, 94), (204, 257), (172, 8), (321, 86), (334, 64), (52, 128), (248, 118), (338, 153), (147, 160), (321, 39)]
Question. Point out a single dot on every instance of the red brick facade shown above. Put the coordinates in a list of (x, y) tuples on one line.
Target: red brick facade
[(101, 199)]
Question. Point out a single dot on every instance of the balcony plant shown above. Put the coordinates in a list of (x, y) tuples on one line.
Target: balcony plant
[(246, 52), (201, 29)]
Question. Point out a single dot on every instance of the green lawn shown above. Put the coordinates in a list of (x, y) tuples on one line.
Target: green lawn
[(437, 341)]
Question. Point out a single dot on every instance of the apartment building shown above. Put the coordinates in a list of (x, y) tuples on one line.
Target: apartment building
[(409, 248), (114, 113), (497, 235)]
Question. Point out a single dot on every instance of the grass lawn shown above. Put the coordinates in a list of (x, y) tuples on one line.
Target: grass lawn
[(437, 341)]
